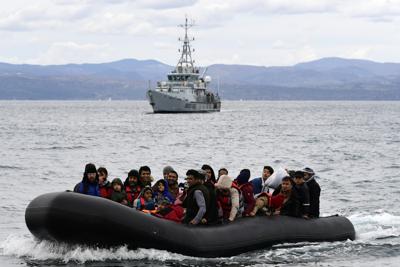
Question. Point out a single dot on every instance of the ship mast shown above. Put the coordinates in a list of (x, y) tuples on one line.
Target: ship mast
[(185, 64)]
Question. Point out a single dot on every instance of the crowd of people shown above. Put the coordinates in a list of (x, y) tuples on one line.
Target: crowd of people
[(206, 199)]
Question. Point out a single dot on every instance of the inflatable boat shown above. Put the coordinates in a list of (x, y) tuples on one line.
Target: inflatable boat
[(80, 219)]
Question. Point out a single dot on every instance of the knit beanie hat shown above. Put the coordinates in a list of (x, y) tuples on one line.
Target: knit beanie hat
[(90, 168), (243, 176), (133, 173), (167, 169)]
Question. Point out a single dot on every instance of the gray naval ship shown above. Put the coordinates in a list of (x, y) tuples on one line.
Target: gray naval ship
[(185, 90)]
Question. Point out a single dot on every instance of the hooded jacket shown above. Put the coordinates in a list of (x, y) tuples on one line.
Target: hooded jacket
[(164, 195), (229, 205), (246, 189), (85, 186)]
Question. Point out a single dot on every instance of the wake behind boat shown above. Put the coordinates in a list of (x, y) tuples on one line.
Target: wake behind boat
[(185, 90), (82, 219)]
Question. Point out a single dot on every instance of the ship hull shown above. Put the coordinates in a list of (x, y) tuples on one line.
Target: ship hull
[(165, 103)]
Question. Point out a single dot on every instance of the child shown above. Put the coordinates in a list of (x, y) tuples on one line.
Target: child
[(161, 192), (145, 201), (118, 194), (132, 186)]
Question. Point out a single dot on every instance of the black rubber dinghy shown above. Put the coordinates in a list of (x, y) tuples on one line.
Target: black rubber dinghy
[(79, 219)]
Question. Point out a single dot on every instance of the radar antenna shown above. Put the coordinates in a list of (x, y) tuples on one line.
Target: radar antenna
[(186, 63)]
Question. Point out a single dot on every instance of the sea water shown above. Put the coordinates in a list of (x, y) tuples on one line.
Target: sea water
[(354, 147)]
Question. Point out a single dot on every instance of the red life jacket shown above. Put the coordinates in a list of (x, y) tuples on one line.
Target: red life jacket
[(132, 193), (225, 204), (105, 191)]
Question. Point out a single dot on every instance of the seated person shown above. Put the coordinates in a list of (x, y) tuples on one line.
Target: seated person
[(246, 189), (145, 201), (173, 185), (90, 181), (105, 188), (169, 211), (228, 196), (259, 185), (290, 205), (161, 193), (197, 199), (118, 194), (132, 186)]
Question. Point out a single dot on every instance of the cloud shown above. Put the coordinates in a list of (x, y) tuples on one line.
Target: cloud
[(67, 52), (163, 4), (40, 17)]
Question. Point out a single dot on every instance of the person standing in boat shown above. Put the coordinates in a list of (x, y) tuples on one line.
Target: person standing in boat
[(259, 185), (302, 193), (197, 199), (90, 181), (145, 176), (105, 188), (132, 186), (212, 212), (246, 190), (314, 190), (228, 197)]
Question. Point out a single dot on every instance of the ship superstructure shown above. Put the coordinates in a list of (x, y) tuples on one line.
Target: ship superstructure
[(185, 90)]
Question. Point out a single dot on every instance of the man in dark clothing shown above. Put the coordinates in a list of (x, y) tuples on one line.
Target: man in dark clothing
[(302, 193), (90, 181), (197, 199), (212, 211), (290, 206), (314, 190)]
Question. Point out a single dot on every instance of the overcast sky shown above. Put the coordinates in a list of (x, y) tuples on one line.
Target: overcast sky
[(256, 32)]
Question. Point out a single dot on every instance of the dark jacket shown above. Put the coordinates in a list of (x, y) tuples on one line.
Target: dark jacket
[(303, 196), (212, 208), (118, 196), (315, 192), (291, 206), (191, 205)]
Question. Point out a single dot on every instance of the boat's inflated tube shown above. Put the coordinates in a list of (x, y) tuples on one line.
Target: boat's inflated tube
[(80, 219)]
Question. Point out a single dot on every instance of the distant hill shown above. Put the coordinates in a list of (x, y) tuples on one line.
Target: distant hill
[(323, 79)]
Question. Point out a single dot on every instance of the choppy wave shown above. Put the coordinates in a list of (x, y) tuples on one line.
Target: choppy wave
[(377, 234), (25, 246)]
